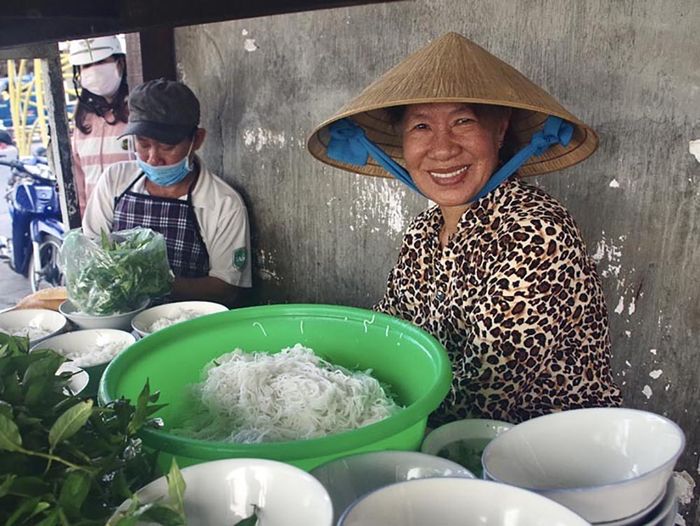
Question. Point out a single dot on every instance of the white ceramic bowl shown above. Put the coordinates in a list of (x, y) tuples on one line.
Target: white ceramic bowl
[(79, 345), (38, 324), (78, 382), (656, 515), (463, 441), (223, 492), (604, 463), (143, 322), (456, 502), (120, 321), (353, 476)]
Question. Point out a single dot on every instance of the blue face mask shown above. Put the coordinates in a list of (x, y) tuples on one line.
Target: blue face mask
[(170, 174)]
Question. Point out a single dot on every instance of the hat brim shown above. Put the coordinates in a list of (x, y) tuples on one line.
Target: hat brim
[(524, 122), (454, 69), (165, 133)]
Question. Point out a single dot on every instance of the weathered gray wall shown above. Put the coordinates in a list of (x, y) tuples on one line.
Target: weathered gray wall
[(631, 69)]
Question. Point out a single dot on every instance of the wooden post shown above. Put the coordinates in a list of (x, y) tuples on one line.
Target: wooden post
[(60, 137), (158, 53)]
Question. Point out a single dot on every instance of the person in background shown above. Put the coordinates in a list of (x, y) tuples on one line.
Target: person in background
[(8, 152), (168, 189), (99, 77), (497, 270)]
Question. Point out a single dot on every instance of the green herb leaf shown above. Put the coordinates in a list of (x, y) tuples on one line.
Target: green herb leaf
[(125, 516), (40, 506), (6, 484), (23, 511), (10, 439), (176, 488), (5, 409), (73, 493), (123, 521), (29, 487), (70, 422), (51, 520), (141, 412)]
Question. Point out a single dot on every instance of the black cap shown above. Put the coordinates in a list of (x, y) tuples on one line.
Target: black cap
[(5, 137), (164, 110)]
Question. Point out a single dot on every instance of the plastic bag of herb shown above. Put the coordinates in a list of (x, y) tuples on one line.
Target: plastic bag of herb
[(116, 273), (63, 460)]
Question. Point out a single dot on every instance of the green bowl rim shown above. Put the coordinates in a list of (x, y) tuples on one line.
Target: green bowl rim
[(297, 449)]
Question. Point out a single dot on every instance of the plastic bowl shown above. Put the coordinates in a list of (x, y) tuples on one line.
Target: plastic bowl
[(121, 321), (463, 441), (348, 478), (38, 324), (456, 502), (604, 463), (77, 345), (411, 361), (223, 492), (143, 321)]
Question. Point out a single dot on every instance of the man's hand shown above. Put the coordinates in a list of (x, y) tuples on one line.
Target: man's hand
[(206, 289)]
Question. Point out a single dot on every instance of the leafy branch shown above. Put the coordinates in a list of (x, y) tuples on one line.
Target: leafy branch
[(64, 461)]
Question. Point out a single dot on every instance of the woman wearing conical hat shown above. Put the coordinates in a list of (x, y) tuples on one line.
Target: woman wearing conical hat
[(497, 271)]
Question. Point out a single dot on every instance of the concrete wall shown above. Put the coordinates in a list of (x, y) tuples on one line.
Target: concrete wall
[(631, 69)]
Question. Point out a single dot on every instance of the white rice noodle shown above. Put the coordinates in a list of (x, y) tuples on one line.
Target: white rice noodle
[(291, 395), (33, 330), (101, 353), (177, 316)]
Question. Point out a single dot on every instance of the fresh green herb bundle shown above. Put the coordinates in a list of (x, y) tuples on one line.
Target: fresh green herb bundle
[(117, 274), (64, 461)]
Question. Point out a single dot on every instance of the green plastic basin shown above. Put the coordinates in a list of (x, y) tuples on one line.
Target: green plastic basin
[(407, 358)]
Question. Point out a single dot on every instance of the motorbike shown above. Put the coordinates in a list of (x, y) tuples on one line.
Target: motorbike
[(35, 215)]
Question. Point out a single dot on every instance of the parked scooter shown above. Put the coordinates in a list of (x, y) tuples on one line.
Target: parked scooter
[(37, 230)]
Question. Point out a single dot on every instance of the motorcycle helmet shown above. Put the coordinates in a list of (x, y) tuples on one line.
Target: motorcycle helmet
[(5, 138), (91, 50)]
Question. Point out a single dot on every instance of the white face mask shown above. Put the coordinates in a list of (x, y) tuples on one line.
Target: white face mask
[(101, 79)]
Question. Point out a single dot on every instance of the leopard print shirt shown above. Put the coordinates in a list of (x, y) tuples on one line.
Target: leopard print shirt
[(515, 299)]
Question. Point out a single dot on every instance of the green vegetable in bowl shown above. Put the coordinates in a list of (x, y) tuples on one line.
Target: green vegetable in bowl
[(466, 452), (117, 274), (167, 512), (63, 460)]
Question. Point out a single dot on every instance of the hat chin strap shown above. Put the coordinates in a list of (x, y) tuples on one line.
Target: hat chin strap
[(349, 144), (555, 131)]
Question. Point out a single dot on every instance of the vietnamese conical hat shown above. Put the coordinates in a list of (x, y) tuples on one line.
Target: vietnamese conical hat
[(455, 69)]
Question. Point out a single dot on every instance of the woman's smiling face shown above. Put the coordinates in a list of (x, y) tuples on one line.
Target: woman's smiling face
[(451, 149)]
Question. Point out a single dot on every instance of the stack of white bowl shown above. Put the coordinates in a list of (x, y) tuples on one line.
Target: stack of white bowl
[(456, 502), (602, 466), (612, 466), (351, 477)]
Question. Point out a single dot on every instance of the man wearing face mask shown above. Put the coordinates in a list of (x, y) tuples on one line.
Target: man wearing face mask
[(99, 77), (168, 189)]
